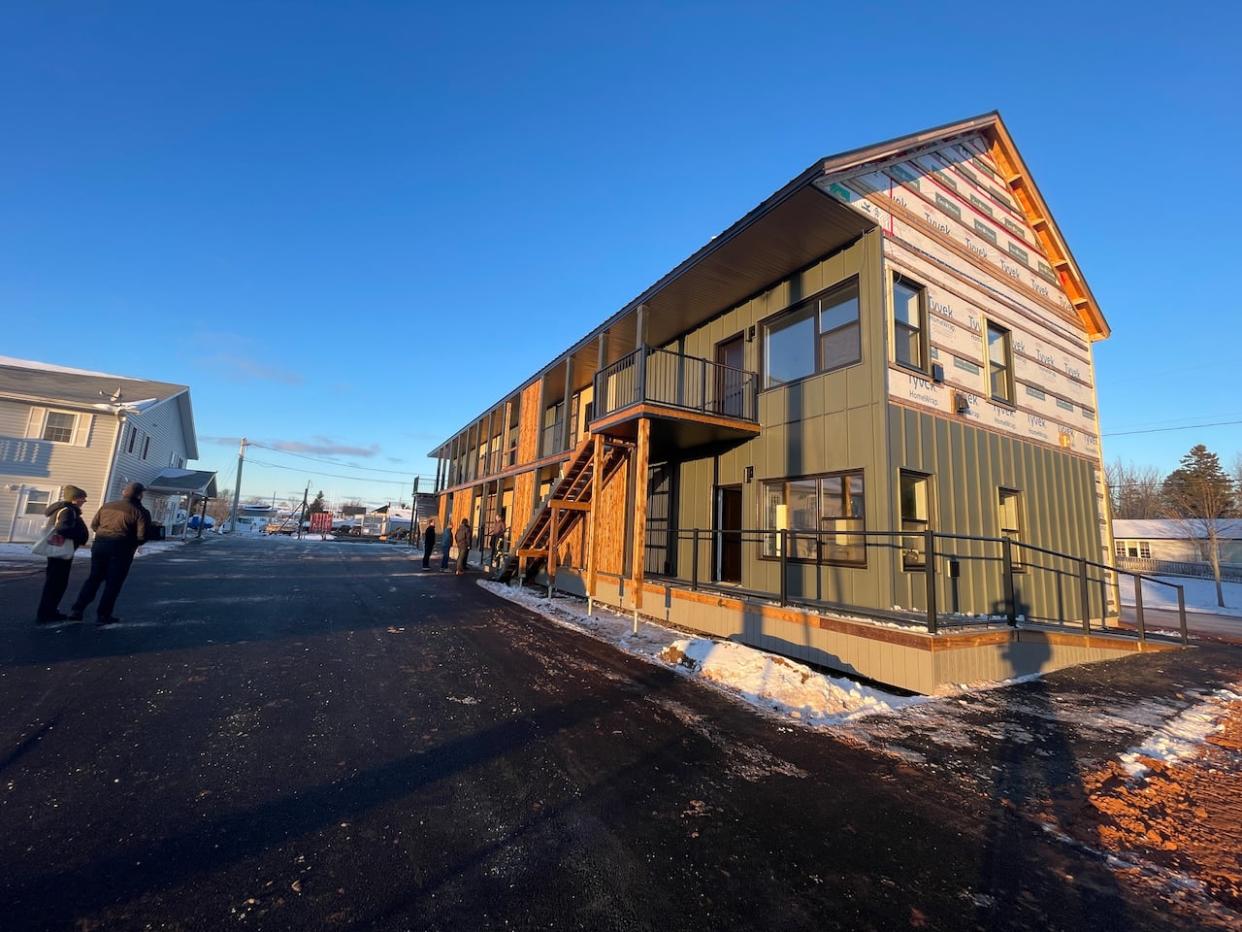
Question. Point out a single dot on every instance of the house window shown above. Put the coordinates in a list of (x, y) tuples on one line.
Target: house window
[(37, 502), (818, 512), (818, 335), (912, 500), (1135, 549), (133, 436), (58, 427), (908, 323), (999, 363), (146, 446)]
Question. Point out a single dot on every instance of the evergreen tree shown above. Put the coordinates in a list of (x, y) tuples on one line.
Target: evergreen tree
[(317, 505), (1199, 495)]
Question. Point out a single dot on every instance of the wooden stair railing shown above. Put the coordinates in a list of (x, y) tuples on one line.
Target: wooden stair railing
[(568, 501)]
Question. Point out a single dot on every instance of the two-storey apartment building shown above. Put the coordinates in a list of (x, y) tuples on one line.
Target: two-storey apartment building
[(61, 426), (873, 396)]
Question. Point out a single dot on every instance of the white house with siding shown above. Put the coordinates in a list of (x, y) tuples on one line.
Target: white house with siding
[(61, 426)]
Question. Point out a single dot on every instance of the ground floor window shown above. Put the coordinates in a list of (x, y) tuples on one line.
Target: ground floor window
[(1010, 513), (37, 502), (819, 512), (913, 501)]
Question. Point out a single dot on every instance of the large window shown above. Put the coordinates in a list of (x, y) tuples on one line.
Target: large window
[(820, 513), (913, 496), (908, 327), (58, 427), (1000, 368), (818, 335), (1138, 549)]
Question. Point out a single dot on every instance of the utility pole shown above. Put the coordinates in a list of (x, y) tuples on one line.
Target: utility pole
[(241, 459), (414, 512), (302, 510)]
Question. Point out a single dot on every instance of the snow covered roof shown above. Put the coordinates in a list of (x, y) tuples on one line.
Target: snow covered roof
[(181, 481), (1170, 529), (42, 382)]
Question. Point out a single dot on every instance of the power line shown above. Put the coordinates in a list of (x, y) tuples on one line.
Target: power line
[(330, 462), (1160, 430), (333, 475)]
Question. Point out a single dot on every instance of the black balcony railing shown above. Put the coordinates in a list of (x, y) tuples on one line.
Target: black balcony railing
[(663, 377)]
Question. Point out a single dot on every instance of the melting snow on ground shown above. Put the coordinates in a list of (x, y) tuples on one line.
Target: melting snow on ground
[(1200, 595), (775, 684), (1181, 737)]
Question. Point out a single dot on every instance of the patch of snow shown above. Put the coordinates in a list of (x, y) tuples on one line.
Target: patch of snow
[(769, 682), (20, 553), (1200, 595), (1181, 737)]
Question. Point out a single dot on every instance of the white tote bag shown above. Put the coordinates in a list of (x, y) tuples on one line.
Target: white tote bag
[(45, 547)]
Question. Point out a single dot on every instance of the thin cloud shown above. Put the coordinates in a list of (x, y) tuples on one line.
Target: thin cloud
[(248, 369), (322, 446)]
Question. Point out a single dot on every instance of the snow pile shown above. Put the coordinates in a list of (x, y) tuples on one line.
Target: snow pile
[(766, 681), (1200, 595), (776, 683), (1181, 737)]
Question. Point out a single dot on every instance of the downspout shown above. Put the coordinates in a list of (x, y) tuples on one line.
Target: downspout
[(116, 451)]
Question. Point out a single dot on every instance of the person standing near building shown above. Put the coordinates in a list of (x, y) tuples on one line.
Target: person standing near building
[(429, 542), (463, 545), (446, 542), (66, 516), (120, 529), (495, 536)]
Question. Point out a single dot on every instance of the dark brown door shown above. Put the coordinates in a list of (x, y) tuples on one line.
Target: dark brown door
[(731, 354), (658, 555), (728, 536)]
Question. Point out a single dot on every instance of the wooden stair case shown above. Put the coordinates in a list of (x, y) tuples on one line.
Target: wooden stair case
[(568, 502)]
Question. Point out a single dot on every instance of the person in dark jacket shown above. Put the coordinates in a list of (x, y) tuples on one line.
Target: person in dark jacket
[(462, 539), (446, 542), (67, 517), (120, 529), (429, 542)]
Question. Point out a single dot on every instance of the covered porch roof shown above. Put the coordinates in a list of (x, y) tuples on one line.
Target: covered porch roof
[(197, 482)]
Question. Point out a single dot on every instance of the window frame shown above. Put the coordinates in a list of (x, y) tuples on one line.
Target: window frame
[(40, 507), (820, 560), (146, 446), (1008, 400), (48, 413), (914, 560), (815, 303), (1016, 534), (922, 329)]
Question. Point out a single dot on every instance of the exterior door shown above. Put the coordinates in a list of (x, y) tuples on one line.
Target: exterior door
[(729, 397), (728, 537), (659, 552), (30, 521)]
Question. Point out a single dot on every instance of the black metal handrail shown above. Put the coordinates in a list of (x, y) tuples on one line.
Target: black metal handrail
[(934, 557), (677, 380)]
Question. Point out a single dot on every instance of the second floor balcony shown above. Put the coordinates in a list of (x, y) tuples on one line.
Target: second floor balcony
[(699, 400)]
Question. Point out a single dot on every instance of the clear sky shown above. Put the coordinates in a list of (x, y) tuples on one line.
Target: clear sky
[(350, 226)]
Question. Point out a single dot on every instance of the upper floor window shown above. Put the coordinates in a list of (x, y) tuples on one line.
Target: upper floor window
[(146, 446), (1000, 363), (908, 327), (1010, 514), (58, 427), (133, 436), (818, 335)]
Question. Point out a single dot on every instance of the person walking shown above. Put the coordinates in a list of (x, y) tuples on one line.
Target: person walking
[(446, 543), (463, 545), (429, 542), (66, 516), (120, 529), (496, 536)]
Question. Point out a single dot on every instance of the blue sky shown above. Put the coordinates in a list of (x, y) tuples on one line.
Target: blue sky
[(349, 227)]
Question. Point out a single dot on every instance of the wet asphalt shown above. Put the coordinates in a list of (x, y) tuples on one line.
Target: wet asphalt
[(316, 735)]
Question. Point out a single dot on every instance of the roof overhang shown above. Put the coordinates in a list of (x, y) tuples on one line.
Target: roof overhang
[(184, 482)]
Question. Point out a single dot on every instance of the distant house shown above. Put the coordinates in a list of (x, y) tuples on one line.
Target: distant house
[(1143, 544), (61, 426)]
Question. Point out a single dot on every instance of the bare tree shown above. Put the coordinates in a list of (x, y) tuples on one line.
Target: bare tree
[(1135, 491), (1200, 497)]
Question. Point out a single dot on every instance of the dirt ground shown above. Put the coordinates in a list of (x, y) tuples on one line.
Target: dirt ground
[(1185, 818)]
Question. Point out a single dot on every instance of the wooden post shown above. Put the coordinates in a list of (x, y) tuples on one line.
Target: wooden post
[(640, 513), (552, 549), (597, 478)]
